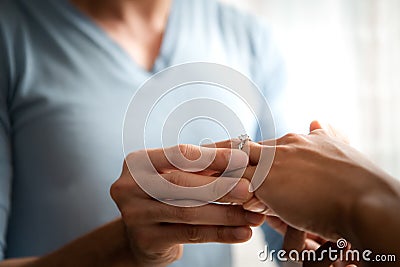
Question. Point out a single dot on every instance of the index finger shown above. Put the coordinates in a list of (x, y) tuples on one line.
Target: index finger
[(253, 149), (191, 158)]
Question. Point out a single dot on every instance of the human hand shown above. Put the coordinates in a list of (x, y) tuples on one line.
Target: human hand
[(255, 204), (319, 184), (314, 180), (157, 230), (308, 244)]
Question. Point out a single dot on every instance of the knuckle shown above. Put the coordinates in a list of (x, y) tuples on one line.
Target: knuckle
[(208, 155), (131, 157), (177, 155), (122, 187), (285, 150), (184, 149), (289, 138), (187, 215), (193, 234), (116, 189), (233, 214), (189, 151), (220, 233), (292, 138), (177, 255), (119, 186), (171, 177), (177, 178)]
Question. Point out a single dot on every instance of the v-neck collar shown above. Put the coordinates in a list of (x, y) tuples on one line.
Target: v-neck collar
[(104, 41)]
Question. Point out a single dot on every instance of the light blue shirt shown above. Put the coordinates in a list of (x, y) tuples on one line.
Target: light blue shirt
[(64, 89)]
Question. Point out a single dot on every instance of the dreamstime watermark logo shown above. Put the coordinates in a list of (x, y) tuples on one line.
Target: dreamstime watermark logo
[(338, 252), (194, 103)]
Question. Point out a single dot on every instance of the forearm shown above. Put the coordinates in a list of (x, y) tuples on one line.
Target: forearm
[(106, 246), (375, 220), (375, 224), (17, 262)]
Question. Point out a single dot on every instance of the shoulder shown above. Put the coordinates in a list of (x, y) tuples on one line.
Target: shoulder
[(237, 17), (225, 20), (249, 36), (246, 27), (244, 35)]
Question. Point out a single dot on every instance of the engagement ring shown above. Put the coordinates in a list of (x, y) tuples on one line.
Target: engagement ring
[(244, 138)]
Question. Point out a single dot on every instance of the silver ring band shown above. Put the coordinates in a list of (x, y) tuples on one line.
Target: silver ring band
[(244, 138)]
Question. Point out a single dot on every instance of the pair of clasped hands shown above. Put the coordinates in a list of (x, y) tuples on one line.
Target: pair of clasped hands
[(288, 198)]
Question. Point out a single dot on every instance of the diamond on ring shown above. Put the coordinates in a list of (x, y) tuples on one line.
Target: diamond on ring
[(244, 138)]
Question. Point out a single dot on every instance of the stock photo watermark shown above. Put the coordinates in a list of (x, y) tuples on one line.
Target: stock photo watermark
[(337, 253)]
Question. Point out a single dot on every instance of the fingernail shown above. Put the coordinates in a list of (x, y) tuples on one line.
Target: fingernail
[(242, 233), (254, 218), (257, 207), (270, 212), (251, 188), (238, 159)]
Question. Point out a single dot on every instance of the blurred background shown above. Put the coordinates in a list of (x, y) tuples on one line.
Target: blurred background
[(343, 66)]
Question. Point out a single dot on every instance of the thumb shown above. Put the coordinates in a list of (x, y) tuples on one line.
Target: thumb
[(329, 130), (315, 125), (294, 239)]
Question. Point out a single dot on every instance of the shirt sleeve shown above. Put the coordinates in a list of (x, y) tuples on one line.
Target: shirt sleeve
[(5, 142)]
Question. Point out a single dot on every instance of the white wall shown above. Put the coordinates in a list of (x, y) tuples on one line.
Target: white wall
[(343, 60)]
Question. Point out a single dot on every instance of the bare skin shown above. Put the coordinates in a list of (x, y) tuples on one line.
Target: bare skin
[(136, 26), (330, 191), (86, 251), (157, 230), (151, 233)]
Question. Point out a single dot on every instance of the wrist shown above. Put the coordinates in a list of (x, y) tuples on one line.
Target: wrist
[(374, 205), (113, 247), (106, 246)]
